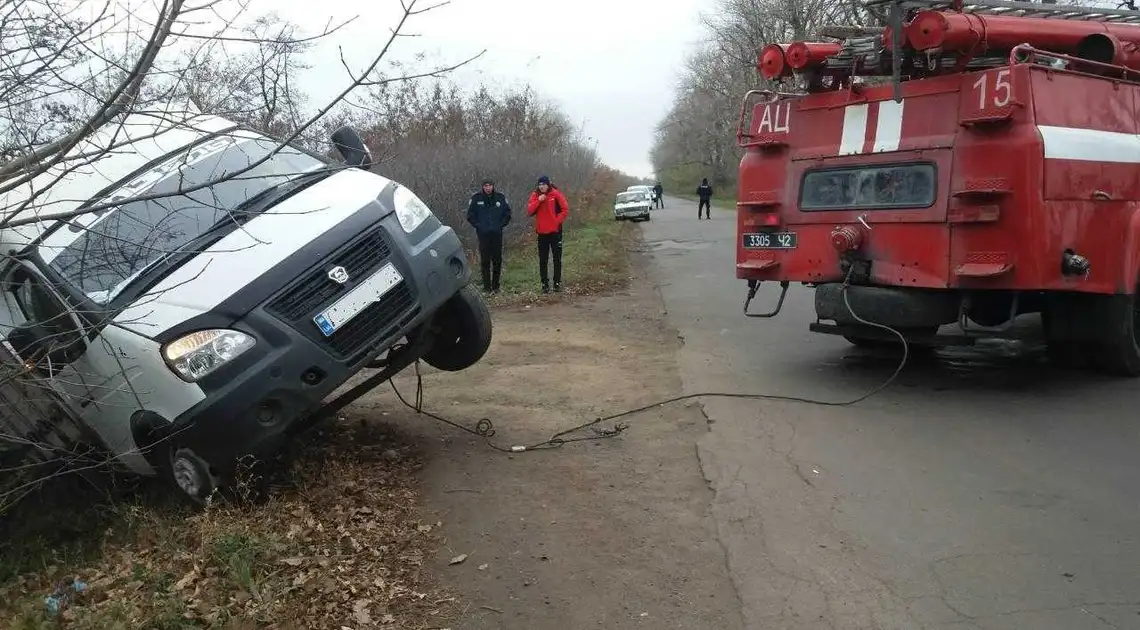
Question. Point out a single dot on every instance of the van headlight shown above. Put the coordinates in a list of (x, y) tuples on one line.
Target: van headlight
[(410, 209), (197, 354)]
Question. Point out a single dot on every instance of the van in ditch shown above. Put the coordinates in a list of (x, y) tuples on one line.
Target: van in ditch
[(191, 291)]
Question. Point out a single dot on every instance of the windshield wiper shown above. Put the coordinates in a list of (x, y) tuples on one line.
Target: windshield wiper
[(258, 203), (277, 191)]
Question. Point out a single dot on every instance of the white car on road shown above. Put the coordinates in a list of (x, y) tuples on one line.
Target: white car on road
[(632, 204), (645, 189)]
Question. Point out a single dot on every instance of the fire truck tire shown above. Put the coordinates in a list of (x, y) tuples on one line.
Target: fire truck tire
[(901, 308), (869, 343), (1061, 351), (1118, 354)]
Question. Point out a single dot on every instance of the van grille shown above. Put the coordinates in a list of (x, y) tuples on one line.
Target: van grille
[(379, 321), (315, 290), (360, 259)]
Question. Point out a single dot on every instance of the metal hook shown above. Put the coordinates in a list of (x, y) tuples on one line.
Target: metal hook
[(863, 219)]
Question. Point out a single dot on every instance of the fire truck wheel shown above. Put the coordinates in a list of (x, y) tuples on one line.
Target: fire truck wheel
[(1057, 322), (1065, 354), (879, 344), (1119, 353)]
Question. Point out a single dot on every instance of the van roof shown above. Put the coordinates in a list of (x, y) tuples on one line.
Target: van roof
[(105, 157)]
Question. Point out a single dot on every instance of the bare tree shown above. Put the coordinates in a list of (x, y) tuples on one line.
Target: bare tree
[(697, 137), (442, 140)]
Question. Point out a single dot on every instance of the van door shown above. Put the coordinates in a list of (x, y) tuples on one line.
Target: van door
[(77, 363)]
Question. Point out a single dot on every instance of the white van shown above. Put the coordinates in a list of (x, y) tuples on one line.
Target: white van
[(190, 327)]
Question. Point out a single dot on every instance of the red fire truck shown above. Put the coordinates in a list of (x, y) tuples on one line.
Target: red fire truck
[(964, 165)]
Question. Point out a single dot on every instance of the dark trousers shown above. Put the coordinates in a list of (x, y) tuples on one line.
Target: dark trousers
[(491, 259), (550, 246), (705, 205), (660, 201)]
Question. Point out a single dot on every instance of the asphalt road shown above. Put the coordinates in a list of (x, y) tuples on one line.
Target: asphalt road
[(983, 489)]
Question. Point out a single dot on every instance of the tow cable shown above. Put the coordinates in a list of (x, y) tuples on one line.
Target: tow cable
[(485, 429)]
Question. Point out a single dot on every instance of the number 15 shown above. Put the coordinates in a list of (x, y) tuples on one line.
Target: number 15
[(1003, 91)]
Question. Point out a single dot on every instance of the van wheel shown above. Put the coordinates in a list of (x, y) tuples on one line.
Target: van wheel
[(191, 474), (464, 333), (180, 468), (1119, 353)]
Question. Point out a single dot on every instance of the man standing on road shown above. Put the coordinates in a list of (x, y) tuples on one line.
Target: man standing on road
[(549, 208), (489, 213), (705, 193), (660, 192)]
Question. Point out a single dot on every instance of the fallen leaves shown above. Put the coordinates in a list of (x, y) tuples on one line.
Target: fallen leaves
[(460, 559), (343, 548)]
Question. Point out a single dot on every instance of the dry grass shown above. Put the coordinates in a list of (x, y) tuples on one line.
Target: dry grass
[(340, 547), (594, 252)]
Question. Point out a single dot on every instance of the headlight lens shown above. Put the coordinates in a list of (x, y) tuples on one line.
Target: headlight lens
[(410, 209), (197, 354)]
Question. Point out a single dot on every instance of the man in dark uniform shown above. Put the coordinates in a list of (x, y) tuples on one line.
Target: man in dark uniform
[(660, 192), (705, 193), (489, 213)]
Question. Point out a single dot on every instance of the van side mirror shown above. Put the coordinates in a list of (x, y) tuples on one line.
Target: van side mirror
[(35, 341), (351, 146)]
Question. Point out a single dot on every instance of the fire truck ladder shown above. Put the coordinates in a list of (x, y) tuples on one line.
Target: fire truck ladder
[(898, 8), (1018, 9)]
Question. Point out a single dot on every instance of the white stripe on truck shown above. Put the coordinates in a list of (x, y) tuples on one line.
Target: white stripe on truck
[(1090, 145), (888, 131), (854, 129)]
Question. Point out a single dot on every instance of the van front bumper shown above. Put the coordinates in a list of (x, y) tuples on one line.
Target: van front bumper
[(252, 404)]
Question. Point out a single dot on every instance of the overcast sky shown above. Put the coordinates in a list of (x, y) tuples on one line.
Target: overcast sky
[(610, 64)]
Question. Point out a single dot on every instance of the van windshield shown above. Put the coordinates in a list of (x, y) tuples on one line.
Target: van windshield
[(102, 253)]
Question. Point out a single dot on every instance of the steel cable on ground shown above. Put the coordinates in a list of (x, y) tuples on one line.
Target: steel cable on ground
[(486, 429)]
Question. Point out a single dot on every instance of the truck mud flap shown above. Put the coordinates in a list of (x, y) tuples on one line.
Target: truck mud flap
[(889, 306)]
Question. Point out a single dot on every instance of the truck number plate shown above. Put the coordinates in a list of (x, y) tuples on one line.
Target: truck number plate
[(359, 298), (770, 240)]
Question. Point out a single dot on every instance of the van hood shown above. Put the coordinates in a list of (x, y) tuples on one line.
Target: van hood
[(208, 283)]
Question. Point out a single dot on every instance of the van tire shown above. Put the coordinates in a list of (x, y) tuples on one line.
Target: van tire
[(152, 437), (464, 333)]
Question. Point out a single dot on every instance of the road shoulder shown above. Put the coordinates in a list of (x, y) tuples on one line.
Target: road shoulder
[(613, 534)]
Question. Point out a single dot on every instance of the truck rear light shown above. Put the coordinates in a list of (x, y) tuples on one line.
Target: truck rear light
[(764, 219), (846, 238)]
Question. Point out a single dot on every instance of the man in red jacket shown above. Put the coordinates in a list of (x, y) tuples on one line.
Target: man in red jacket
[(549, 208)]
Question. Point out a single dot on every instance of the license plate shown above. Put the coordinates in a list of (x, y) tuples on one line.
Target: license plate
[(770, 240), (359, 298)]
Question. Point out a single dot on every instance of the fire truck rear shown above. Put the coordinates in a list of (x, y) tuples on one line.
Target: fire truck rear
[(991, 172)]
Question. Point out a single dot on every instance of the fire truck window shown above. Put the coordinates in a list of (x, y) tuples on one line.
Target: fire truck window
[(869, 187)]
